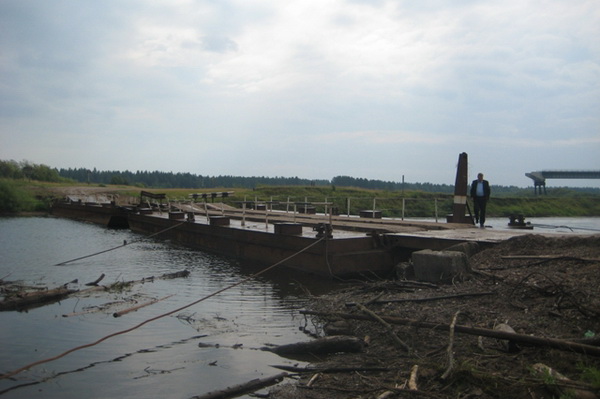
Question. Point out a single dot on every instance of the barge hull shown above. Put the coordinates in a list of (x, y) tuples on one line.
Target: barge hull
[(107, 215), (329, 257)]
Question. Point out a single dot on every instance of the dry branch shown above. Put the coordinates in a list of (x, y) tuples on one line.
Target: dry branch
[(547, 257), (95, 282), (388, 328), (435, 298), (451, 347)]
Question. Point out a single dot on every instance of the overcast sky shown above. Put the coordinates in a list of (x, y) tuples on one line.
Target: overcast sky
[(308, 88)]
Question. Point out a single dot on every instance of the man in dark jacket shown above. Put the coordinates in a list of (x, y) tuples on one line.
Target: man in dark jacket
[(480, 192)]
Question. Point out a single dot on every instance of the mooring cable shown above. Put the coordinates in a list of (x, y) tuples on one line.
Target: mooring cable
[(125, 243), (48, 360)]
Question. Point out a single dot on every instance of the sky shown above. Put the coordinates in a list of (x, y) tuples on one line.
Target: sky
[(373, 89)]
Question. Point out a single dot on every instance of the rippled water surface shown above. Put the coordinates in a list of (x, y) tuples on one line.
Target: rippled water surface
[(208, 346)]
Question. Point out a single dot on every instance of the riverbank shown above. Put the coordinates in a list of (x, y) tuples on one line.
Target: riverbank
[(23, 196), (544, 287)]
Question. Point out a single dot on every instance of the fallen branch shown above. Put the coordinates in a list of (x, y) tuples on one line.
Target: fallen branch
[(95, 282), (330, 370), (548, 257), (134, 308), (522, 338), (237, 390), (451, 347), (332, 344), (435, 298), (388, 328)]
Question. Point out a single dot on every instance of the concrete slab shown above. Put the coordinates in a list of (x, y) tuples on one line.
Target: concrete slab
[(439, 266)]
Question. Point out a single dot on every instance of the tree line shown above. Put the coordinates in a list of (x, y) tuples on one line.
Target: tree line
[(156, 179), (25, 170)]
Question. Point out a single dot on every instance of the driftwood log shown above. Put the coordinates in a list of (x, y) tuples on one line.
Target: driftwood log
[(142, 305), (484, 332), (27, 300), (238, 390), (332, 344)]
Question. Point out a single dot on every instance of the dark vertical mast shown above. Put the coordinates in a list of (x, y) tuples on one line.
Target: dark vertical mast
[(460, 191)]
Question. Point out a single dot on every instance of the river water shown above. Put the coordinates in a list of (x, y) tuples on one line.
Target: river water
[(209, 346)]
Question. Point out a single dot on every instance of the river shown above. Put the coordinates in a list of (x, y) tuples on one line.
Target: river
[(211, 345)]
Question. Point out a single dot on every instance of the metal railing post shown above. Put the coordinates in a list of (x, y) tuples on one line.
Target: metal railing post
[(403, 206)]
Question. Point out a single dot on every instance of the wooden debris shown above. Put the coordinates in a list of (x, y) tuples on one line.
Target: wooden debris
[(412, 381), (332, 344), (451, 347), (435, 298), (95, 282), (561, 385), (238, 390), (313, 379), (518, 338), (132, 309), (326, 370), (388, 328), (27, 300), (548, 257)]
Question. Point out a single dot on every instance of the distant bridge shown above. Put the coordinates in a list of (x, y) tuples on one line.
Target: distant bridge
[(539, 178)]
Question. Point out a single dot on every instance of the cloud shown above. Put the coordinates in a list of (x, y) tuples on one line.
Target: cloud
[(249, 85)]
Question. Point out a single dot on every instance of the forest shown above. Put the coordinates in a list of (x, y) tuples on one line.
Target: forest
[(156, 179)]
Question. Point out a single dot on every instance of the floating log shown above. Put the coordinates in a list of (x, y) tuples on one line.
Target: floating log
[(247, 387), (132, 309), (332, 344), (27, 300)]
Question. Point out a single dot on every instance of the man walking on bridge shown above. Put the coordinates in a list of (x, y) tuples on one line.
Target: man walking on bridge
[(480, 192)]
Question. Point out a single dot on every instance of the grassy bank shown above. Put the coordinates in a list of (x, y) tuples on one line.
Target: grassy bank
[(25, 196), (18, 196)]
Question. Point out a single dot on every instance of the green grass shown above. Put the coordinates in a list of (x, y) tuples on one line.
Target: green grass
[(25, 196), (16, 196)]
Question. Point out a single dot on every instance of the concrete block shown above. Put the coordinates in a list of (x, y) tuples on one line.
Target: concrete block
[(439, 266), (470, 248)]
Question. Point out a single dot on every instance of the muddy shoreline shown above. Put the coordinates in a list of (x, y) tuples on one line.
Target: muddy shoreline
[(545, 287)]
